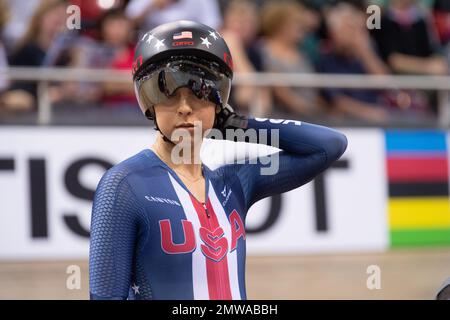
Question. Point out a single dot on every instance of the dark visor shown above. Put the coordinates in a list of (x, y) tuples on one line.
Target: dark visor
[(160, 84)]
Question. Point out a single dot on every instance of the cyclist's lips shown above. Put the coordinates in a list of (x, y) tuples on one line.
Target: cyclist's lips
[(185, 125)]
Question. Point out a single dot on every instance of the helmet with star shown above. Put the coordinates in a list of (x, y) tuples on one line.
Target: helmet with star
[(181, 53)]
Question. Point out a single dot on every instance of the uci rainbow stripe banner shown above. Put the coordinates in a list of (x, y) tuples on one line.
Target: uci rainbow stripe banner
[(418, 206)]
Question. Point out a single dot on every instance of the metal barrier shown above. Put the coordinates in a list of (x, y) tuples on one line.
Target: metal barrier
[(43, 76)]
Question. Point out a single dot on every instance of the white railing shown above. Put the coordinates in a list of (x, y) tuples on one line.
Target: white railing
[(43, 76)]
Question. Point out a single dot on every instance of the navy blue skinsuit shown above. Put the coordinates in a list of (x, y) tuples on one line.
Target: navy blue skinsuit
[(152, 239)]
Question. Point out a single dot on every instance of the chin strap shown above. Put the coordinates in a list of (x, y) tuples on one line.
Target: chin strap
[(163, 135), (151, 117)]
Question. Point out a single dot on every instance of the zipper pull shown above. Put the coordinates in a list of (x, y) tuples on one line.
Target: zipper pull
[(206, 209)]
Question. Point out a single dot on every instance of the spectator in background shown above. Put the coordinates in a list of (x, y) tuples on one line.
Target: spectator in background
[(313, 25), (20, 13), (47, 23), (4, 15), (112, 49), (407, 40), (115, 30), (408, 43), (427, 4), (441, 12), (148, 14), (315, 22), (91, 11), (350, 51), (283, 28), (241, 26)]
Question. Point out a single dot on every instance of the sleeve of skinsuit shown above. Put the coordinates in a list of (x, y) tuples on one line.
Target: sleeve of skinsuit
[(114, 226), (307, 150)]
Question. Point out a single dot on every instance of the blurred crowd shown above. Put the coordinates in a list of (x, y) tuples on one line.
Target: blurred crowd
[(303, 36)]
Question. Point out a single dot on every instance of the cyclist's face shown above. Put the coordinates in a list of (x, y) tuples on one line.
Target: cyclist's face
[(184, 107)]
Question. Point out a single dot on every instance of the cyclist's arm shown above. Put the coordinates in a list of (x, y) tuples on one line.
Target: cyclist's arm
[(307, 150), (113, 236)]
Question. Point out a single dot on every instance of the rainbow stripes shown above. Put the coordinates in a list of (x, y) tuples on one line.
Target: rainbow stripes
[(419, 206)]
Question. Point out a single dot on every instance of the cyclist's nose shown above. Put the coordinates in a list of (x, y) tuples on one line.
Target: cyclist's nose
[(184, 107)]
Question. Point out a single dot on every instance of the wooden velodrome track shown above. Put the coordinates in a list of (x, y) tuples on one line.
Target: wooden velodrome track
[(405, 274)]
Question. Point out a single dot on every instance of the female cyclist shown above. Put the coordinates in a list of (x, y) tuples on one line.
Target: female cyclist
[(166, 229)]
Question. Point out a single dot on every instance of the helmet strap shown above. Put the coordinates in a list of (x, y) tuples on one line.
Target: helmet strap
[(216, 113), (157, 128)]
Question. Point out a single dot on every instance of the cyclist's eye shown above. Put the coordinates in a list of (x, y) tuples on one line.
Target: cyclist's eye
[(174, 95)]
